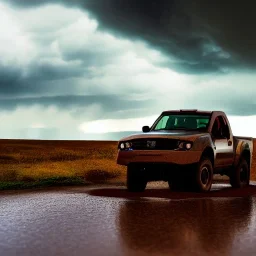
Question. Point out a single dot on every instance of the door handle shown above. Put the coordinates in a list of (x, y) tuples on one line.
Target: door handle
[(229, 142)]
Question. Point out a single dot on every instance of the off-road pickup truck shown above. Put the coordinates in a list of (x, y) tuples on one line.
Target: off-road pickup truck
[(186, 148)]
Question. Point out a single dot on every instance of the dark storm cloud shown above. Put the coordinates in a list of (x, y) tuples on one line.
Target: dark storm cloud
[(37, 78), (239, 107), (32, 3), (9, 79), (48, 71), (202, 36), (247, 109), (109, 103), (89, 57), (13, 82)]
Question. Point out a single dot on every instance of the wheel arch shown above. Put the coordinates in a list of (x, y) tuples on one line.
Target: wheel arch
[(208, 152)]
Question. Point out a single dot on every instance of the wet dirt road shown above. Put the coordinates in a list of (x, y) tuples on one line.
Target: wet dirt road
[(110, 221)]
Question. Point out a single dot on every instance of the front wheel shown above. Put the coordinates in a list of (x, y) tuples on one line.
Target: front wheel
[(240, 175), (204, 175), (136, 181)]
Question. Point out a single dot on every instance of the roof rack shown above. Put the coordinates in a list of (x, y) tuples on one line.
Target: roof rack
[(188, 110)]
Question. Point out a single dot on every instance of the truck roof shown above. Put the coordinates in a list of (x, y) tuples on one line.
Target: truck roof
[(196, 111)]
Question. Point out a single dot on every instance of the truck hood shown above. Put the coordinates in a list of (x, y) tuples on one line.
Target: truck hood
[(180, 134)]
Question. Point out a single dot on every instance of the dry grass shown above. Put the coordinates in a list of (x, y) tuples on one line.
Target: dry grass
[(32, 160)]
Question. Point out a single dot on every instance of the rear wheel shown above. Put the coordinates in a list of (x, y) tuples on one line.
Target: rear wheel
[(240, 175), (136, 180)]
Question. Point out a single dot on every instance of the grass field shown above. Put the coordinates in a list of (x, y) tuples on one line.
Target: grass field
[(58, 162), (29, 163)]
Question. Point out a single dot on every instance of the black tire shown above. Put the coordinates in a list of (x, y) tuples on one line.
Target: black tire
[(240, 175), (176, 184), (203, 175), (136, 180), (181, 180), (170, 184), (173, 185)]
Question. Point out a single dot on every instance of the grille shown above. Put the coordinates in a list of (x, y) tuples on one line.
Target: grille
[(154, 144)]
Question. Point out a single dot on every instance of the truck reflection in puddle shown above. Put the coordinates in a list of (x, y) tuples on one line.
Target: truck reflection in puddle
[(184, 227)]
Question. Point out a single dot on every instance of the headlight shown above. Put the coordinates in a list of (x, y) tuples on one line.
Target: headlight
[(188, 145), (128, 144), (184, 145), (125, 145)]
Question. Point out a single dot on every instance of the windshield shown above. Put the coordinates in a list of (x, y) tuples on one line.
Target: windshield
[(182, 122)]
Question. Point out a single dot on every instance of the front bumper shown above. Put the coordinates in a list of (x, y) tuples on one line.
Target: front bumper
[(158, 156)]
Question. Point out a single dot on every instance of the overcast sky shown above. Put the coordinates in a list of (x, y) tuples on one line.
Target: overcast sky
[(84, 69)]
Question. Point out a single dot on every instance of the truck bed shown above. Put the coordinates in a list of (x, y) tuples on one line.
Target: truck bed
[(241, 140)]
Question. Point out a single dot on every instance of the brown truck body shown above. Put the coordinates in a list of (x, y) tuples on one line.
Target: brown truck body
[(161, 147)]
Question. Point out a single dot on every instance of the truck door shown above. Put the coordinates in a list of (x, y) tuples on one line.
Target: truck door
[(223, 143)]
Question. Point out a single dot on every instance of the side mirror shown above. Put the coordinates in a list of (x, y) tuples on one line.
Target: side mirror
[(145, 129)]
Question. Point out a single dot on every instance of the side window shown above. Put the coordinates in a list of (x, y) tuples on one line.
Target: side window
[(162, 123), (202, 123), (224, 128), (220, 128), (216, 129)]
